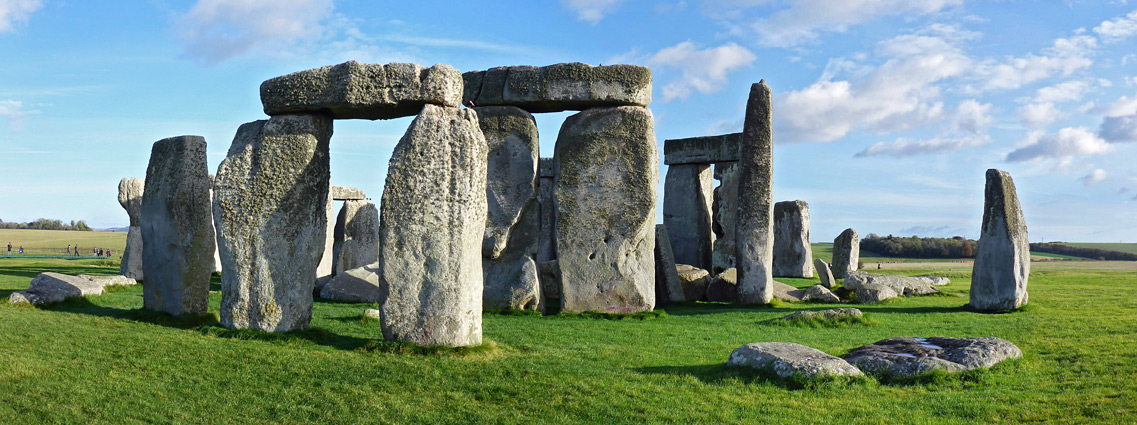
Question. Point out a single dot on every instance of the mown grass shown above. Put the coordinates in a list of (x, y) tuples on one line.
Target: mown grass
[(37, 239), (103, 360), (1119, 247)]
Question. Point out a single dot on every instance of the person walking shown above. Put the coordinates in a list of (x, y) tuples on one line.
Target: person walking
[(68, 249), (21, 250), (9, 249)]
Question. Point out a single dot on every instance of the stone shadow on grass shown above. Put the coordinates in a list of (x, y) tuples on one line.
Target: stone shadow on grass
[(700, 308), (720, 373)]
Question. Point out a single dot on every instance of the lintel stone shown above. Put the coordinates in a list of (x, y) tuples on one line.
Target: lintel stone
[(702, 150)]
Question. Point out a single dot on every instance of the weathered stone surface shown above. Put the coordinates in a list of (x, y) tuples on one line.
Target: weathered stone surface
[(688, 195), (346, 193), (358, 285), (788, 293), (793, 256), (606, 177), (372, 313), (908, 356), (786, 359), (723, 287), (846, 253), (725, 216), (550, 274), (754, 231), (105, 281), (668, 287), (1002, 264), (326, 267), (431, 227), (131, 265), (702, 150), (50, 288), (876, 287), (546, 246), (934, 280), (271, 209), (216, 251), (833, 313), (368, 91), (823, 273), (177, 227), (560, 87), (130, 192), (356, 236), (512, 230), (874, 294), (820, 294), (694, 281)]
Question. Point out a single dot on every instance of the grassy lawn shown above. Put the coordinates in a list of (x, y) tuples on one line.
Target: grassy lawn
[(102, 360), (1119, 247), (38, 240)]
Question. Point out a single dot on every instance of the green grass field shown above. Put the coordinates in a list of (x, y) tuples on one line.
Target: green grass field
[(1119, 247), (40, 240), (103, 360)]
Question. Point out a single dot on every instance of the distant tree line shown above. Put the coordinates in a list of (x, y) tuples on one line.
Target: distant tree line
[(46, 224), (1073, 251), (917, 247)]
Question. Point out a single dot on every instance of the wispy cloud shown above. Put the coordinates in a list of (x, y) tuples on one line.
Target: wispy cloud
[(216, 30), (703, 70), (1063, 145), (15, 111), (903, 147), (1094, 177), (13, 12), (1117, 29), (591, 11), (805, 20)]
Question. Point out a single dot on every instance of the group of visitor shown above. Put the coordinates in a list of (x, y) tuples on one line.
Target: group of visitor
[(97, 252)]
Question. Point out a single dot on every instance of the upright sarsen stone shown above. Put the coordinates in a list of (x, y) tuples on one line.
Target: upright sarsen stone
[(513, 222), (688, 195), (431, 226), (668, 286), (793, 256), (177, 227), (130, 197), (356, 236), (606, 177), (725, 216), (271, 211), (846, 253), (754, 232), (1002, 265)]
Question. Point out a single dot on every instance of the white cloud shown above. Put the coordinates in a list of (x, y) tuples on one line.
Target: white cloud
[(14, 111), (1069, 91), (704, 70), (1037, 115), (903, 147), (1063, 145), (1119, 129), (1064, 57), (804, 20), (1117, 29), (13, 12), (216, 30), (1122, 106), (972, 116), (1094, 177), (591, 11)]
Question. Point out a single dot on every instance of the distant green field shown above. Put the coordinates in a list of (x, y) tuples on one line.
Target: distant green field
[(41, 241), (1119, 247)]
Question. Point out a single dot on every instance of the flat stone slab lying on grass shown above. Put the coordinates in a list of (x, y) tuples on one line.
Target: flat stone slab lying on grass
[(49, 287), (358, 285), (820, 294), (877, 287), (365, 91), (106, 281), (833, 313), (910, 357), (785, 359), (561, 87)]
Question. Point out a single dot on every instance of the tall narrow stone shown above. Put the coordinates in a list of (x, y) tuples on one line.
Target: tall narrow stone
[(846, 253), (271, 213), (606, 176), (687, 197), (793, 256), (513, 222), (725, 207), (130, 197), (1002, 265), (356, 236), (325, 266), (546, 240), (177, 228), (431, 226), (754, 232), (668, 287)]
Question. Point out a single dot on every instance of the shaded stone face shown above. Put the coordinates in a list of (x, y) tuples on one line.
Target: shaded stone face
[(823, 273), (365, 91), (176, 223), (358, 285), (668, 287), (271, 211), (547, 239), (561, 87), (846, 253), (725, 207), (793, 256), (356, 236), (754, 231), (432, 223), (702, 150), (687, 200), (606, 178), (1002, 264)]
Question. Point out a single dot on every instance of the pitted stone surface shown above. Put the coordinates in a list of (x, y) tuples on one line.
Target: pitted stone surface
[(725, 215), (786, 359), (908, 356), (688, 195), (793, 256), (902, 285), (50, 288), (834, 313), (823, 273), (178, 242), (346, 193), (820, 294), (606, 177), (512, 232), (547, 236), (702, 150), (1002, 265), (694, 281), (271, 212), (668, 287), (356, 236), (130, 197), (358, 285), (846, 253), (130, 192), (560, 87), (754, 231), (367, 91), (431, 228), (131, 265)]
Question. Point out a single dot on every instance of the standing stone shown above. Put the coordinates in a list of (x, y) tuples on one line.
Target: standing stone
[(1002, 265), (130, 197), (271, 214), (687, 197), (356, 236), (668, 287), (824, 273), (513, 223), (726, 216), (431, 227), (216, 250), (547, 268), (606, 176), (754, 232), (325, 266), (177, 228), (846, 253), (793, 257)]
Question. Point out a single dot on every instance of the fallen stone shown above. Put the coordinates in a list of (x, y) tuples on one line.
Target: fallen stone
[(876, 287), (694, 281), (831, 314), (823, 273), (788, 293), (130, 192), (787, 359), (356, 236), (793, 256), (560, 87), (688, 195), (702, 150), (668, 287), (910, 357), (846, 253), (106, 281), (358, 285), (50, 288), (821, 294), (371, 313), (725, 216), (754, 230), (935, 280), (874, 294), (1002, 264), (367, 91)]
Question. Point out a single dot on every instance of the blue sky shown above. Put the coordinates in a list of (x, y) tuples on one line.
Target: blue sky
[(887, 112)]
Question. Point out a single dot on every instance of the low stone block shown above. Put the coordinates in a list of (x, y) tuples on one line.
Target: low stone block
[(50, 288), (787, 359), (909, 356), (358, 285), (694, 281)]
